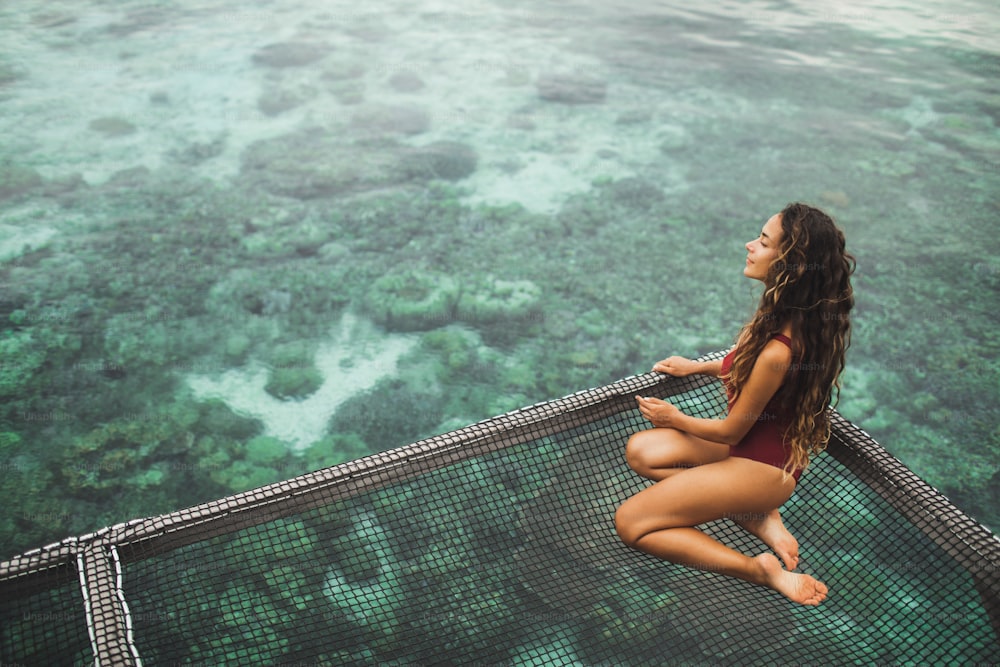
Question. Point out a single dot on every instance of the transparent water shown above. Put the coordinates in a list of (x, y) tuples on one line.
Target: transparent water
[(242, 243)]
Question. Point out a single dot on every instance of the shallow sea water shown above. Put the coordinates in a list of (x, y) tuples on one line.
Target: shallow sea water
[(188, 212)]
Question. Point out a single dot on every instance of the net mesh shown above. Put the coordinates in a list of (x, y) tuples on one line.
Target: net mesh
[(496, 544)]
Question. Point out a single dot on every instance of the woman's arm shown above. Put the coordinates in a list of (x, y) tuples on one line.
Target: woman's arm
[(766, 377), (681, 367)]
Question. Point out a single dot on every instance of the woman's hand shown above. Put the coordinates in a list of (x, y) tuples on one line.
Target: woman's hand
[(676, 366), (660, 413)]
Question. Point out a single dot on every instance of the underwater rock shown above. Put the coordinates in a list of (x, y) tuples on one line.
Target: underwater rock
[(447, 160), (521, 120), (331, 450), (123, 454), (836, 198), (348, 92), (499, 300), (391, 414), (843, 519), (290, 54), (413, 300), (8, 441), (637, 193), (293, 383), (368, 26), (28, 355), (406, 82), (140, 19), (11, 72), (112, 126), (374, 601), (634, 116), (17, 180), (275, 101), (196, 153), (61, 186), (309, 164), (555, 647), (241, 615), (672, 138), (264, 450), (313, 163), (709, 610), (340, 71), (965, 134), (237, 476), (571, 88), (126, 179), (385, 119), (352, 361)]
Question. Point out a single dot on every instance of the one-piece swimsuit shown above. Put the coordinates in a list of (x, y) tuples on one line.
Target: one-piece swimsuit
[(765, 441)]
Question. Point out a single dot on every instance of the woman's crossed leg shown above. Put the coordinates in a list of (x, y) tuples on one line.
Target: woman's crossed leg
[(659, 453), (661, 519)]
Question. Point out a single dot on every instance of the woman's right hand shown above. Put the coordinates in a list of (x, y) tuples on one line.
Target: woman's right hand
[(676, 366)]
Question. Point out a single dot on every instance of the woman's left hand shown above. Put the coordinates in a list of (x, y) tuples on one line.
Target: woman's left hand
[(658, 411)]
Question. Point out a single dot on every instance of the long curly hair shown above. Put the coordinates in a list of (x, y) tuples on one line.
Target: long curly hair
[(809, 286)]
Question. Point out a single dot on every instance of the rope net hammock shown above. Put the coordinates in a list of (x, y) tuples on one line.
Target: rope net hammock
[(495, 544)]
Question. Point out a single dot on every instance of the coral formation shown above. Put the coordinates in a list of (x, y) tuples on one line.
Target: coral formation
[(380, 120), (412, 300), (310, 163), (289, 54), (350, 361), (495, 300)]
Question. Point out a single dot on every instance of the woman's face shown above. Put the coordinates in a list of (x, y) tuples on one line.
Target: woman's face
[(764, 249)]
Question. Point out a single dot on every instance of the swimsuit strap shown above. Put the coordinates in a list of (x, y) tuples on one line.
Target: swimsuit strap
[(784, 339)]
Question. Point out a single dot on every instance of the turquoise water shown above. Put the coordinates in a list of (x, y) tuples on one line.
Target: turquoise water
[(241, 244)]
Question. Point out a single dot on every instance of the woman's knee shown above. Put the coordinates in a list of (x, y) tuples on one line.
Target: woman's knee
[(626, 524), (639, 450), (634, 521), (634, 450)]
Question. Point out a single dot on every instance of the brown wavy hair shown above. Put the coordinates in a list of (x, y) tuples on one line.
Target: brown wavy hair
[(809, 286)]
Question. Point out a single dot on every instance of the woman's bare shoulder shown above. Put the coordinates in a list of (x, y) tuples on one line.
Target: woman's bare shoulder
[(775, 355)]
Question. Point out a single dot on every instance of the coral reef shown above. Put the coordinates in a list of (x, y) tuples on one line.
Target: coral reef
[(311, 163), (350, 361), (365, 587), (16, 179), (495, 300), (379, 120), (290, 54), (412, 300)]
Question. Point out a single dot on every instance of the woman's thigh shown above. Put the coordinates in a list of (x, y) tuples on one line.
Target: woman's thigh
[(732, 488), (670, 448)]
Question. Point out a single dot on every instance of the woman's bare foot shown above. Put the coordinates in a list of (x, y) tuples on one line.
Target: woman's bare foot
[(800, 588), (771, 530)]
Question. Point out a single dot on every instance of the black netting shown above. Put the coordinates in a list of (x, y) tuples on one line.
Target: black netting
[(496, 544), (43, 620)]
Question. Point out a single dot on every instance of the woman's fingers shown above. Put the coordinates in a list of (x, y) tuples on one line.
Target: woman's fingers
[(671, 365)]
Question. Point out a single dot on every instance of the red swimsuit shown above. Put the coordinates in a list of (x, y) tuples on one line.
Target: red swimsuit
[(765, 440)]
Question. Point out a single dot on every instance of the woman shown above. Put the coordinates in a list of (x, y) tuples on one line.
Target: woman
[(779, 378)]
